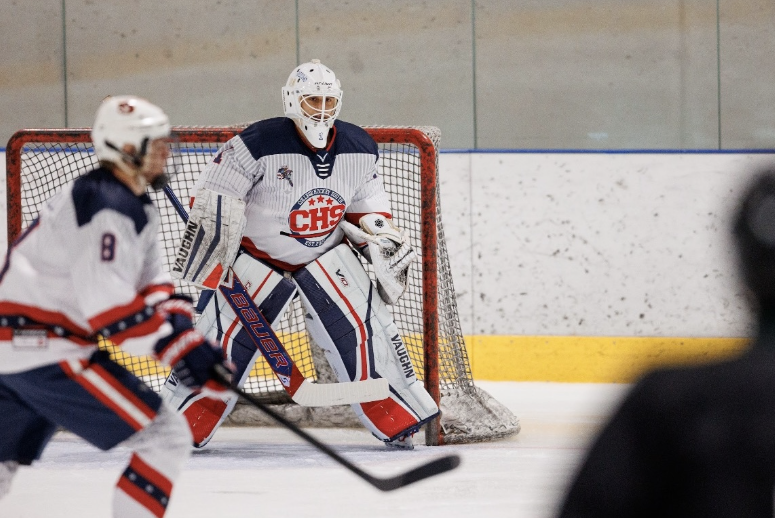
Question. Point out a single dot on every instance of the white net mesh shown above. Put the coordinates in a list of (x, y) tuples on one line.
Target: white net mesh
[(41, 162)]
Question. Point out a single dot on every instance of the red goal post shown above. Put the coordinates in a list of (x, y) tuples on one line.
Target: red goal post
[(41, 161)]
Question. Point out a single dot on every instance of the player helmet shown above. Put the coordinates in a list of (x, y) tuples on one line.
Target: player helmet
[(754, 234), (308, 80), (126, 119)]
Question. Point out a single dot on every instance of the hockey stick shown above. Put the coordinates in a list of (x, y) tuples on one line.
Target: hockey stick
[(301, 390), (429, 469)]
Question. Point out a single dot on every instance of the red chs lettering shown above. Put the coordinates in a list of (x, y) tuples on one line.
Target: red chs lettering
[(317, 219)]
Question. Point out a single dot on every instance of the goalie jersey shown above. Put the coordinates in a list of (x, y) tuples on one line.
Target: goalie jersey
[(89, 265), (295, 195)]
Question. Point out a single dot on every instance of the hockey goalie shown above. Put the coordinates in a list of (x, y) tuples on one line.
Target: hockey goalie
[(282, 206)]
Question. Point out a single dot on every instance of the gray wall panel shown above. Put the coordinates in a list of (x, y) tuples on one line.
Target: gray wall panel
[(553, 74), (747, 73), (31, 66), (206, 62), (605, 74), (400, 62)]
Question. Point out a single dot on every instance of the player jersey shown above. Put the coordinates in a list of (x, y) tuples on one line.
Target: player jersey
[(89, 264), (295, 195)]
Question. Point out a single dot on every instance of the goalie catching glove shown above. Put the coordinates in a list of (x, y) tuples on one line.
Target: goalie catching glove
[(211, 239), (383, 244), (186, 350)]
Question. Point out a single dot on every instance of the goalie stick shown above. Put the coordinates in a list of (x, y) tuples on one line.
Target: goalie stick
[(429, 469), (301, 390)]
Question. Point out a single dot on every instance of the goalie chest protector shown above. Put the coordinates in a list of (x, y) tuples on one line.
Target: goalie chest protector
[(295, 195)]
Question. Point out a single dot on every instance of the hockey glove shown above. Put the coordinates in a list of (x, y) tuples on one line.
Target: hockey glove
[(384, 246), (192, 357)]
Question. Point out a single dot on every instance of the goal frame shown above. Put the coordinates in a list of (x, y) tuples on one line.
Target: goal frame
[(220, 134)]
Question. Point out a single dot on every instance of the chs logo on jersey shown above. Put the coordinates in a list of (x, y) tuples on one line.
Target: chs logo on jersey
[(315, 216)]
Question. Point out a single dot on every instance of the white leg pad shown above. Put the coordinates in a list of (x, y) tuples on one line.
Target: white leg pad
[(356, 331), (218, 322)]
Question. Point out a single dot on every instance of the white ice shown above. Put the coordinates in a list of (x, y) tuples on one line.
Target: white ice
[(265, 472)]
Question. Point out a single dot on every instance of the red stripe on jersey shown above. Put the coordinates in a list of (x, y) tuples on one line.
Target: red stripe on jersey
[(43, 316), (143, 329), (388, 416), (358, 321), (124, 391), (67, 369), (101, 396), (169, 289), (355, 217), (248, 245), (117, 313)]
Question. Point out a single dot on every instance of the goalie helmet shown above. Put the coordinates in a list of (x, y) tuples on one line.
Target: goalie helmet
[(311, 80), (126, 119), (754, 234)]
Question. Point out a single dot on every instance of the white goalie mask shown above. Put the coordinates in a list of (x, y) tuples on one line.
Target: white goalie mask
[(126, 119), (312, 97)]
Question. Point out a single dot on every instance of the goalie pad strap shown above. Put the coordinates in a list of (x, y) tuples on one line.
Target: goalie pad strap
[(211, 238)]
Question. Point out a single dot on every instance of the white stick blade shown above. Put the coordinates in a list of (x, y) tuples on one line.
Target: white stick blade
[(330, 394)]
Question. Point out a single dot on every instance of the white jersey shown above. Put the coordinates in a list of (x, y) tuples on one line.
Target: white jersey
[(89, 265), (295, 195)]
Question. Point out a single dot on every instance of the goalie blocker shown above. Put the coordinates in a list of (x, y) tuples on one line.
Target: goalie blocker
[(211, 239), (345, 317)]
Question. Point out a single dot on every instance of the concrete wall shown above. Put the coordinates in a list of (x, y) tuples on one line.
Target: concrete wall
[(596, 244), (590, 244), (556, 74)]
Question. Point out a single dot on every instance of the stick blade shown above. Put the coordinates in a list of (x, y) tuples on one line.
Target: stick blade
[(346, 393), (433, 468)]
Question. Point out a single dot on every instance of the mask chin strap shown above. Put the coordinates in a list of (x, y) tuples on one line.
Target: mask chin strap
[(160, 181), (136, 159)]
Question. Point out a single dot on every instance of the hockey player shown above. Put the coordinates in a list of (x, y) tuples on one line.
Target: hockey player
[(698, 441), (274, 204), (87, 266)]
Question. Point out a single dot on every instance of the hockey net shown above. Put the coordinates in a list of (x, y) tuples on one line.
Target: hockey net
[(40, 162)]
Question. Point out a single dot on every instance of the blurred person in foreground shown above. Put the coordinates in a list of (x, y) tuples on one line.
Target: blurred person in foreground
[(89, 266), (698, 441)]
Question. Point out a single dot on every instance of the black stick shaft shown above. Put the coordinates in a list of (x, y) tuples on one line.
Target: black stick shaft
[(176, 203), (432, 468)]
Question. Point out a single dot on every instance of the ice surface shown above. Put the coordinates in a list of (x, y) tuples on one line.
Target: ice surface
[(262, 472)]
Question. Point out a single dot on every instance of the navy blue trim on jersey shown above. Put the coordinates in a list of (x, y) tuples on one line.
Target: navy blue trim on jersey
[(279, 135), (48, 392), (338, 327), (126, 323), (273, 137), (25, 432), (100, 190), (353, 139)]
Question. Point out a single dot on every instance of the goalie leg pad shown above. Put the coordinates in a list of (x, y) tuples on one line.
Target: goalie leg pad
[(272, 293), (355, 329)]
